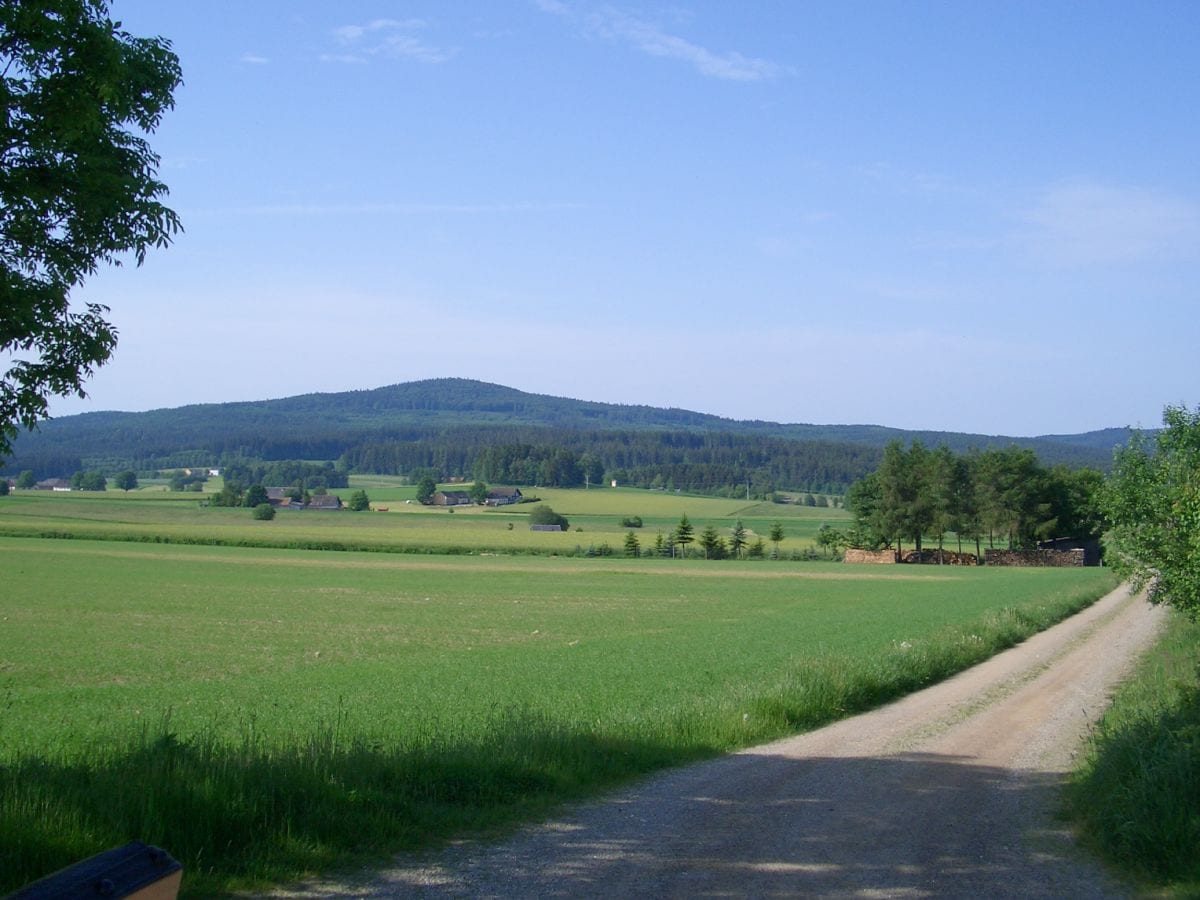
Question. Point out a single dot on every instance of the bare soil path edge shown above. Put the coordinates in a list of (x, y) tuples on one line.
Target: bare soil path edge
[(949, 792)]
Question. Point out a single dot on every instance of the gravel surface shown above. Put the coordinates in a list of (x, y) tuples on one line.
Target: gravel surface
[(950, 792)]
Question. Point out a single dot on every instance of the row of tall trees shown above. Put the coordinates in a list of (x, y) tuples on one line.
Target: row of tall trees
[(998, 495), (713, 463)]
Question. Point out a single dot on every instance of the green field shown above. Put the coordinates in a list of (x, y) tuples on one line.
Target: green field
[(263, 713), (153, 514)]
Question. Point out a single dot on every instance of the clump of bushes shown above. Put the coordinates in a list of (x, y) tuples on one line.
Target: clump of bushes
[(631, 522), (264, 512), (544, 515)]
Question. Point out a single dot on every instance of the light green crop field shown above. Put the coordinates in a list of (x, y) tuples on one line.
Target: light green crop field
[(265, 713), (595, 518)]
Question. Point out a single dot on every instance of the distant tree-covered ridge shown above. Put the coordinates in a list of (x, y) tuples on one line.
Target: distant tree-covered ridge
[(458, 427)]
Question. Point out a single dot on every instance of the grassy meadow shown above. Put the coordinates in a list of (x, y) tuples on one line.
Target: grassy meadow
[(157, 515), (263, 713)]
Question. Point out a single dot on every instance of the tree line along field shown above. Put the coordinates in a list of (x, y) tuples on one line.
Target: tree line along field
[(156, 514), (263, 713)]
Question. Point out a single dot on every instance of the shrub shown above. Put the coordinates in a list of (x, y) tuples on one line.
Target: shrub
[(544, 515), (264, 512), (631, 522)]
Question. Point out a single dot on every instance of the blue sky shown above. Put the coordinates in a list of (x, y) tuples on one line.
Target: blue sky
[(959, 216)]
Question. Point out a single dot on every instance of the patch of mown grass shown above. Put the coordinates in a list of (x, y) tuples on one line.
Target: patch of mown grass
[(1136, 794)]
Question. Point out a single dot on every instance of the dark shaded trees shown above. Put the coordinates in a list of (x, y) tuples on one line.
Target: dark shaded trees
[(426, 488), (91, 480), (1007, 494), (737, 540), (712, 543)]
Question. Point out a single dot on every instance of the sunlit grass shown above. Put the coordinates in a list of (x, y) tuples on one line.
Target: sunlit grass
[(595, 519), (264, 713)]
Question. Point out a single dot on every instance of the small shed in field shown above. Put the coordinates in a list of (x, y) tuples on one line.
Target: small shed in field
[(451, 498)]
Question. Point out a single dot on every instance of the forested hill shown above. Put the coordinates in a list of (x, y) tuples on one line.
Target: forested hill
[(447, 423)]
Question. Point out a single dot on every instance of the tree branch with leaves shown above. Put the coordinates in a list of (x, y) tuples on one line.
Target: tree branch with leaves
[(78, 188)]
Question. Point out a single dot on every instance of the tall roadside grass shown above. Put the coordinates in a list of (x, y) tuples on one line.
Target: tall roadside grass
[(1136, 794)]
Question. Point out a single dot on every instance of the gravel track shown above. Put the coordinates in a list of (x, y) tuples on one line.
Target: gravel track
[(950, 792)]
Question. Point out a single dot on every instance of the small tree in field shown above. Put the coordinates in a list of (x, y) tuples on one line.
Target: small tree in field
[(776, 536), (264, 512), (714, 546), (359, 501), (632, 547), (126, 480), (737, 540), (426, 488), (255, 494), (26, 479), (684, 534)]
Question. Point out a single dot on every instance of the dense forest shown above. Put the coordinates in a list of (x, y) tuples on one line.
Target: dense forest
[(468, 428)]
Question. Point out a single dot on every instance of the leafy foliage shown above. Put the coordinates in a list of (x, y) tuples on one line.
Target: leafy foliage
[(1153, 500), (92, 480), (544, 515), (359, 502), (78, 187), (1004, 493), (426, 488)]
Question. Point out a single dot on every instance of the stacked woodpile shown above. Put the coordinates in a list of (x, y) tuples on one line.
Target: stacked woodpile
[(1027, 558), (870, 557), (946, 557)]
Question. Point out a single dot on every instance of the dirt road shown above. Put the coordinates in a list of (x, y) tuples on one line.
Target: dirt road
[(948, 793)]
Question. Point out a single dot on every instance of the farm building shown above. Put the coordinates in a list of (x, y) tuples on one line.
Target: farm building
[(451, 498), (503, 496), (54, 484), (325, 501)]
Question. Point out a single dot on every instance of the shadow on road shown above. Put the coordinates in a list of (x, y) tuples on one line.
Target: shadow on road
[(917, 825)]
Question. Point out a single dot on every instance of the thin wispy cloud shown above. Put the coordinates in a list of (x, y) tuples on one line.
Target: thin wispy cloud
[(1086, 223), (405, 209), (385, 38), (254, 59), (648, 38)]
